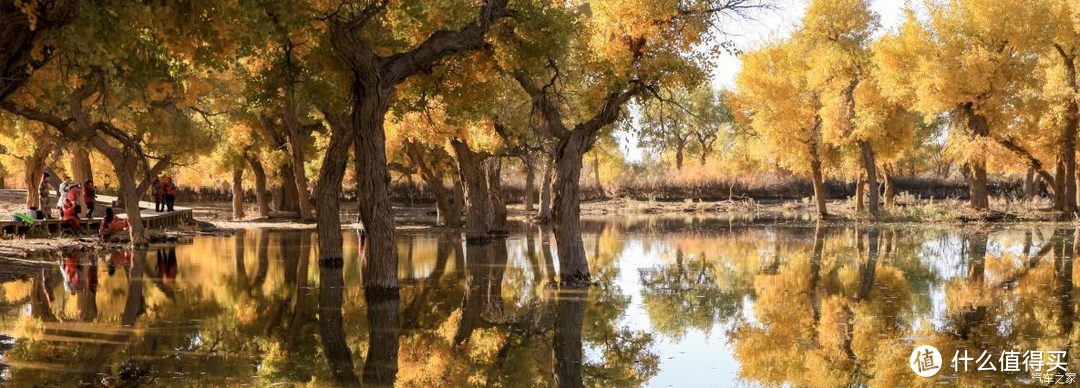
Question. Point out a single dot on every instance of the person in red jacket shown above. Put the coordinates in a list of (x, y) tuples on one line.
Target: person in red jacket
[(71, 215), (111, 226), (169, 188), (89, 195)]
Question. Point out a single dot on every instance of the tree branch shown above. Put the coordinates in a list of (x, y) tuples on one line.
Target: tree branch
[(443, 43)]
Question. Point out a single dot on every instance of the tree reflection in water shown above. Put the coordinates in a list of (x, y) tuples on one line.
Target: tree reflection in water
[(791, 305)]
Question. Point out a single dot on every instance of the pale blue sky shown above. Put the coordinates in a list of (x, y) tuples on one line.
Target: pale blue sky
[(766, 26)]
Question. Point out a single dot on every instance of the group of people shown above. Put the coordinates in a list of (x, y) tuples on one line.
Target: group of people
[(164, 193), (71, 196)]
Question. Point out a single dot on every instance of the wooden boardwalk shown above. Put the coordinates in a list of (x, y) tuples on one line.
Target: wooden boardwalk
[(150, 218)]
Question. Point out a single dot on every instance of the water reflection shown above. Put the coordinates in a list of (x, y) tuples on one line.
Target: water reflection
[(679, 301)]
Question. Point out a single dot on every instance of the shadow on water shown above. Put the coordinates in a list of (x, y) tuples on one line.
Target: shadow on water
[(678, 301)]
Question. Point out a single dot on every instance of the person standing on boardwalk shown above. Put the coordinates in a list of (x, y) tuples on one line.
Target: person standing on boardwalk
[(159, 196), (43, 195), (170, 192), (61, 194), (89, 193)]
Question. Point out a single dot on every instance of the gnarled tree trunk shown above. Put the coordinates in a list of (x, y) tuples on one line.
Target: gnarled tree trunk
[(529, 160), (303, 200), (869, 164), (890, 188), (369, 110), (977, 183), (327, 204), (817, 176), (287, 199), (1067, 151), (1029, 184), (33, 167), (860, 193), (566, 212), (81, 170), (544, 214), (596, 175), (238, 193), (294, 131), (125, 165), (478, 210), (374, 79), (262, 197), (457, 206), (434, 181), (498, 206)]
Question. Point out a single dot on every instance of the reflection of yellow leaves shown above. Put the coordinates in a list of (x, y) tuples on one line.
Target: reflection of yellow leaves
[(28, 328), (246, 313), (484, 344), (449, 326)]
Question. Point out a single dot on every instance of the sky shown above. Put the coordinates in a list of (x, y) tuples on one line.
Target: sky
[(767, 26), (780, 23)]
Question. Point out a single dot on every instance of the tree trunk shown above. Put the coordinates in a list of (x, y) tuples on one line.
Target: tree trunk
[(980, 197), (294, 132), (1059, 186), (890, 188), (596, 174), (529, 160), (457, 206), (870, 165), (434, 181), (303, 199), (443, 213), (860, 193), (544, 215), (288, 200), (81, 170), (498, 206), (327, 191), (369, 111), (567, 346), (32, 170), (818, 179), (125, 168), (238, 192), (679, 150), (1067, 152), (978, 127), (33, 167), (1029, 184), (478, 208), (573, 265), (817, 176), (261, 196)]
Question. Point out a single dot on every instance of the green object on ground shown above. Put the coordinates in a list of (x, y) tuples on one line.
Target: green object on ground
[(24, 218)]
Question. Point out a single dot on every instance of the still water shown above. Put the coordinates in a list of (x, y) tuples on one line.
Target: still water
[(678, 302)]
